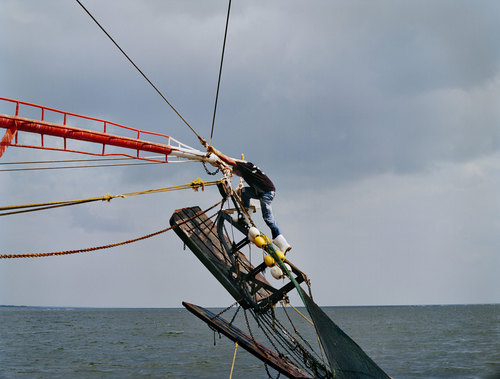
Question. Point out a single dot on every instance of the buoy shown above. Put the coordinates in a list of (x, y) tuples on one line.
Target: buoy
[(252, 233), (268, 260), (281, 255), (259, 241), (276, 272)]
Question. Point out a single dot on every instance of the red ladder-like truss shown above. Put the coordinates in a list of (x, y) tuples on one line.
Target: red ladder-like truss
[(134, 143)]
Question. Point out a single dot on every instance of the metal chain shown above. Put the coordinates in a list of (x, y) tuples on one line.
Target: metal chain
[(207, 171), (235, 314), (269, 374), (225, 310)]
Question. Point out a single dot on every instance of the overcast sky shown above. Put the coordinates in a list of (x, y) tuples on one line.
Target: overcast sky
[(377, 121)]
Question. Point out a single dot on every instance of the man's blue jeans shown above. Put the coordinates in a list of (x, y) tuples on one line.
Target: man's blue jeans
[(265, 199)]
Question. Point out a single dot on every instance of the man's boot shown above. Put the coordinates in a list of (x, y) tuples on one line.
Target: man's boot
[(282, 244)]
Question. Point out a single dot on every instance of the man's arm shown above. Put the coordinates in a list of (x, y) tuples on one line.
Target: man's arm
[(230, 161)]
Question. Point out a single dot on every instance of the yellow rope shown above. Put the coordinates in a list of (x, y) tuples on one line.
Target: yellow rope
[(107, 197), (305, 318), (195, 184), (234, 359)]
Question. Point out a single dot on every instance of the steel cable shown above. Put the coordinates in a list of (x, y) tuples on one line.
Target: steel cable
[(202, 141), (220, 70)]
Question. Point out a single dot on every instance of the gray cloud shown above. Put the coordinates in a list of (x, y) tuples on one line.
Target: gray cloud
[(377, 109)]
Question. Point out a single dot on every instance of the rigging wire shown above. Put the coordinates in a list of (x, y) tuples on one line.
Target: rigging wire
[(79, 166), (202, 141), (220, 71), (71, 160)]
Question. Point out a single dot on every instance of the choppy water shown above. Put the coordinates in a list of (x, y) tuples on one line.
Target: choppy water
[(407, 342)]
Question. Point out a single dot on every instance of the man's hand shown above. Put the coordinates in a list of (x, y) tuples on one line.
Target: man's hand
[(213, 150)]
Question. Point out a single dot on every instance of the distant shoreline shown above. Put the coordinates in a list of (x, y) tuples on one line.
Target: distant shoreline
[(220, 307)]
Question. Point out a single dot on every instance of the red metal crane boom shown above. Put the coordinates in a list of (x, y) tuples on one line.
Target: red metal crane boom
[(120, 143)]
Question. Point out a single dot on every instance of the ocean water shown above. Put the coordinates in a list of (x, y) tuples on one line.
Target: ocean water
[(453, 341)]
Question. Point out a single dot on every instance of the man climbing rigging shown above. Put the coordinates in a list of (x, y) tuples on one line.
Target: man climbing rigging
[(261, 188)]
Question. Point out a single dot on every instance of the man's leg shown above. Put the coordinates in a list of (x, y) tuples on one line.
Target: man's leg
[(247, 193), (267, 213)]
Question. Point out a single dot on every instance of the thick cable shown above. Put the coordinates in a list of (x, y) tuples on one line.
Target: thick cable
[(195, 184), (202, 141), (90, 249), (45, 207), (220, 71)]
